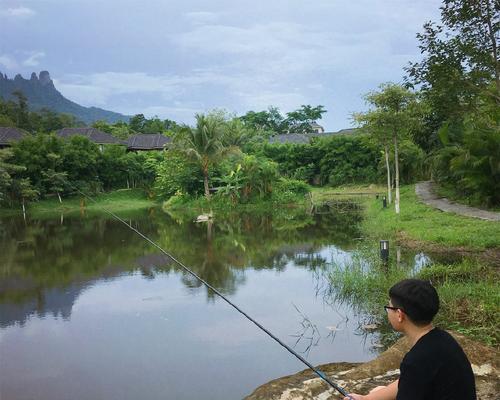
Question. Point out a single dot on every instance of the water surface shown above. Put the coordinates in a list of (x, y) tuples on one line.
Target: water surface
[(88, 310)]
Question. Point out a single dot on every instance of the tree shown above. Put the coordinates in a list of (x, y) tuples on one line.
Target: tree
[(395, 111), (270, 120), (203, 144), (7, 172), (460, 60), (373, 123), (55, 182), (137, 122), (300, 121), (22, 115), (24, 190)]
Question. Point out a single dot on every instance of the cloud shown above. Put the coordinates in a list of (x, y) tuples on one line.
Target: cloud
[(201, 17), (8, 62), (18, 12), (33, 59)]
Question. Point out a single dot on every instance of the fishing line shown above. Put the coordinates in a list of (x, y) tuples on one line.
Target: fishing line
[(189, 271)]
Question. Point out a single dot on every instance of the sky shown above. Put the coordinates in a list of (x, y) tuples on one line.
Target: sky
[(173, 59)]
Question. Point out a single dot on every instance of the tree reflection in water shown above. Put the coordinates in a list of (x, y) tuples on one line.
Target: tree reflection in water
[(45, 264)]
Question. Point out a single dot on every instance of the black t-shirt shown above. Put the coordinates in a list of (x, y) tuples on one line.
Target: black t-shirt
[(436, 368)]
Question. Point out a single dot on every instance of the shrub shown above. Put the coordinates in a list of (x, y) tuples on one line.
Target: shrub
[(176, 173)]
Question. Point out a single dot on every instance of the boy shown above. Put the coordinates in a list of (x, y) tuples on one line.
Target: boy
[(436, 366)]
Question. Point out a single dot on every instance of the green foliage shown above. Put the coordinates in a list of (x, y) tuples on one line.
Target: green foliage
[(258, 176), (7, 171), (287, 191), (37, 154), (347, 160), (176, 173), (298, 121), (203, 144), (16, 113), (140, 124), (469, 160), (412, 166)]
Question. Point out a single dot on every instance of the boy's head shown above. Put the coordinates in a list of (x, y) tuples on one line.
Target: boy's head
[(417, 298)]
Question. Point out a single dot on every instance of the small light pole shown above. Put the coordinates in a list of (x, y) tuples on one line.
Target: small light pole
[(384, 202), (384, 251)]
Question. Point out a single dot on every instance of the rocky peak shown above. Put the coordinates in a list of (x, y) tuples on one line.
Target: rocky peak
[(33, 77), (45, 78)]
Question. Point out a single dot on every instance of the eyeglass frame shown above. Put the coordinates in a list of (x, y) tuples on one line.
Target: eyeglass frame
[(392, 308)]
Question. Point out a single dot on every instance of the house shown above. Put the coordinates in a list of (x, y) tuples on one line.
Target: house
[(304, 138), (147, 141), (316, 128), (93, 134), (8, 135)]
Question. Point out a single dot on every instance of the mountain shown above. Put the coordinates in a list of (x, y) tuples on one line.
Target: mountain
[(41, 93)]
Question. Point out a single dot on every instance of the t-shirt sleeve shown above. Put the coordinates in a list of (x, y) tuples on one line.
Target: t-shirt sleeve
[(414, 381)]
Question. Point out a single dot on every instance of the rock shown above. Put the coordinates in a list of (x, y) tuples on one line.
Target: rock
[(204, 217), (361, 378), (45, 78)]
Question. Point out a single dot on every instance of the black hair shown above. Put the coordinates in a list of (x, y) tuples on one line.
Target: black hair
[(417, 298)]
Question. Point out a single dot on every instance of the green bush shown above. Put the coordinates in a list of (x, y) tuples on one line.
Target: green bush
[(176, 173), (348, 159), (292, 185)]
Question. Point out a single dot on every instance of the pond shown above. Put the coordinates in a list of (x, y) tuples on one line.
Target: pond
[(89, 310)]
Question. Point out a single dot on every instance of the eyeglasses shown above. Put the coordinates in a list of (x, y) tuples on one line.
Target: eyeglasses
[(392, 308)]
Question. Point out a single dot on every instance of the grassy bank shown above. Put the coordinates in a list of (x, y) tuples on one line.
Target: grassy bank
[(420, 222), (222, 204), (469, 289), (123, 200)]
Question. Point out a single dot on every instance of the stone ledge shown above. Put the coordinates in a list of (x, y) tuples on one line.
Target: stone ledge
[(361, 378)]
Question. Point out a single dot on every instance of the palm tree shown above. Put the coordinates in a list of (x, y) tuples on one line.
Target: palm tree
[(203, 144)]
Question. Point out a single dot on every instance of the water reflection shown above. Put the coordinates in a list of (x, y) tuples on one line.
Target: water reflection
[(47, 263)]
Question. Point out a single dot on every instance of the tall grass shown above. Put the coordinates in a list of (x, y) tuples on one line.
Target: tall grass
[(470, 299)]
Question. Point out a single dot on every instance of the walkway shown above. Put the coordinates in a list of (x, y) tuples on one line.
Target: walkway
[(425, 192)]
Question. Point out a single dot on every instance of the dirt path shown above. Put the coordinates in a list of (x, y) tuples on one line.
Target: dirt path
[(425, 192)]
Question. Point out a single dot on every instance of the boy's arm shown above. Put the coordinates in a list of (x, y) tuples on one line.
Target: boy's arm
[(388, 392)]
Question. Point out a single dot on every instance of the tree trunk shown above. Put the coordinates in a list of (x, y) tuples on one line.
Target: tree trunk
[(24, 208), (387, 166), (205, 183), (396, 167), (59, 196), (494, 49)]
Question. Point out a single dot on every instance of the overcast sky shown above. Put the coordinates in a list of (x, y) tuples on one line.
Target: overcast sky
[(175, 58)]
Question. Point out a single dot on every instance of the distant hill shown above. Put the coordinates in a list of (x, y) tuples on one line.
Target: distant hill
[(41, 93)]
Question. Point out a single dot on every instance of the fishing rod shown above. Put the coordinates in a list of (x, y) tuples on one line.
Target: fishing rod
[(338, 388)]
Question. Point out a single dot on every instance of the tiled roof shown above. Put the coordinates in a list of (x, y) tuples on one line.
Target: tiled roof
[(297, 138), (92, 134), (9, 135), (147, 141), (303, 138)]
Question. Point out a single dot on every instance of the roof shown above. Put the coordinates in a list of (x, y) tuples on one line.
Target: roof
[(147, 141), (296, 138), (9, 135), (92, 134), (304, 138)]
